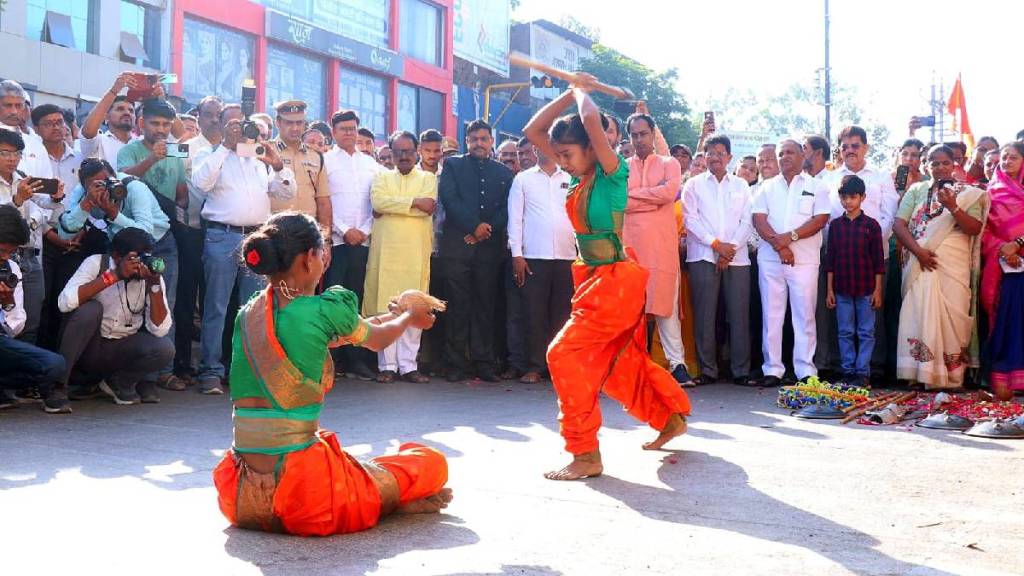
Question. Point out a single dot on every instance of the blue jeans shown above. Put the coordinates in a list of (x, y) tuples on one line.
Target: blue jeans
[(167, 249), (855, 317), (223, 268), (27, 365)]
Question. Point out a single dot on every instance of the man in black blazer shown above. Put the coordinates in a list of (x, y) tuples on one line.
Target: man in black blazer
[(474, 193)]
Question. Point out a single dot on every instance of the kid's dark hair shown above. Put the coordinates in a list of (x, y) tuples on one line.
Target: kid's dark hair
[(272, 249), (852, 186), (13, 228)]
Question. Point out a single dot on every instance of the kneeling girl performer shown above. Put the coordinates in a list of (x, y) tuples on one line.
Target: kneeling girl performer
[(283, 473)]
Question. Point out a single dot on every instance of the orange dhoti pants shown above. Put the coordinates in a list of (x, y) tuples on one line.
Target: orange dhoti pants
[(322, 490), (604, 346)]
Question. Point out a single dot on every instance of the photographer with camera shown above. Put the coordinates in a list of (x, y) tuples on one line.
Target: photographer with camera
[(27, 194), (239, 176), (119, 320), (24, 364), (109, 201)]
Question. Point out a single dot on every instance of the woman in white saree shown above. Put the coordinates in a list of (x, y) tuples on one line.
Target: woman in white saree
[(939, 223)]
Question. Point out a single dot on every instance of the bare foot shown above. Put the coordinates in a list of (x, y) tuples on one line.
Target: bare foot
[(429, 505), (676, 426), (582, 466)]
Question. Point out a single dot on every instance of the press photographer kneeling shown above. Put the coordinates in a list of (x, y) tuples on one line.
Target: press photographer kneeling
[(24, 364), (119, 317)]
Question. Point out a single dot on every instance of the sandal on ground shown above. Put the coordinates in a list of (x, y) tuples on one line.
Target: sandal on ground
[(386, 376)]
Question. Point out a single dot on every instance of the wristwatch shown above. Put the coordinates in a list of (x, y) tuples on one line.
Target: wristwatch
[(794, 236)]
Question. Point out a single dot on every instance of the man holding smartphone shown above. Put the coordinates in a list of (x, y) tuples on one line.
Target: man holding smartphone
[(156, 162), (238, 190)]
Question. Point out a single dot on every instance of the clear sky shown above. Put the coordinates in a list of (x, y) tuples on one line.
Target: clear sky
[(887, 48)]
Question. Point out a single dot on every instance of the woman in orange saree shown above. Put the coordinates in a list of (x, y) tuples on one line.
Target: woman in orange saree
[(603, 346), (284, 473)]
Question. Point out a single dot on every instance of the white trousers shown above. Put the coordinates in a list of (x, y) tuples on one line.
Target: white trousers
[(801, 281), (671, 334), (401, 355)]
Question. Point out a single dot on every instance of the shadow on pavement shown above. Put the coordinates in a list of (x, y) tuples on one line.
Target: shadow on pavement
[(735, 506), (358, 553)]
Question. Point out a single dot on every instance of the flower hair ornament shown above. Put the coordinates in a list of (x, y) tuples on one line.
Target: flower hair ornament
[(252, 257)]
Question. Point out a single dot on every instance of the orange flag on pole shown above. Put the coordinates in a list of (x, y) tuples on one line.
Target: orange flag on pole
[(958, 103)]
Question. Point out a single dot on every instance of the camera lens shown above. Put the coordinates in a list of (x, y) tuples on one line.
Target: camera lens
[(260, 150)]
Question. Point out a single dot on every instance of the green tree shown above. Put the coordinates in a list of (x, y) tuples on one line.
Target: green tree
[(796, 111), (667, 105)]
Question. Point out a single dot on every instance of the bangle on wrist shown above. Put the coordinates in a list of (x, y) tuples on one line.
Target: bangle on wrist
[(1019, 241), (109, 278)]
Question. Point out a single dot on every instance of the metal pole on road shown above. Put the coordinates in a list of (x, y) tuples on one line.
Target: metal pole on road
[(828, 82)]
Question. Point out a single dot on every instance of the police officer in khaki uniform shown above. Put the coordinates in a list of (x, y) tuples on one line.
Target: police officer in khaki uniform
[(313, 196)]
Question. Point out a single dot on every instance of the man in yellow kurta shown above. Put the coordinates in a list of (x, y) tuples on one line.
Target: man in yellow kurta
[(403, 202)]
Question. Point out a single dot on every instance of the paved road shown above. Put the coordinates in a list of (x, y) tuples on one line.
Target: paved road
[(127, 490)]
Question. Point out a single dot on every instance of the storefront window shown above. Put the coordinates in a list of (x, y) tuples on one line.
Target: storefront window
[(368, 96), (295, 76), (419, 109), (420, 31), (216, 61)]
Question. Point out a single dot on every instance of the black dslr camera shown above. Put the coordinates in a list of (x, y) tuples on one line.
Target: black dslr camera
[(7, 275), (250, 130), (115, 188)]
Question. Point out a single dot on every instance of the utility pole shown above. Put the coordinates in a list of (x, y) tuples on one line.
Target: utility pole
[(941, 106), (828, 81), (931, 104)]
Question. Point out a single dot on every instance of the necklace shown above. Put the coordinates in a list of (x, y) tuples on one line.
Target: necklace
[(287, 291), (122, 289)]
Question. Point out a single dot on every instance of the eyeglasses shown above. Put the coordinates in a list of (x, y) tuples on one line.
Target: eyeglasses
[(854, 146), (52, 124), (402, 152), (10, 154)]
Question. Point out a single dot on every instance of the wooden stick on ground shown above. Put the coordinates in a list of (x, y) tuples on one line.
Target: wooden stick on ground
[(877, 404), (886, 396)]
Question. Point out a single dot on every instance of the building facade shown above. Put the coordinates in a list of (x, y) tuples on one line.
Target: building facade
[(390, 60)]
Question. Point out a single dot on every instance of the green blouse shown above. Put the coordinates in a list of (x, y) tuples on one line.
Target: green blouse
[(305, 328), (599, 226)]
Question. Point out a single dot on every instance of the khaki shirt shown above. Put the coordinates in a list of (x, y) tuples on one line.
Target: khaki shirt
[(310, 179)]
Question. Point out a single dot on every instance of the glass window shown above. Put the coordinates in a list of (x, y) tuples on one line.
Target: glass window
[(419, 109), (135, 20), (295, 76), (408, 117), (368, 96), (215, 61), (420, 31), (77, 10)]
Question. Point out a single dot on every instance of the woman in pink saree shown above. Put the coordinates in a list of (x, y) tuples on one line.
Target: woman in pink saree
[(1002, 280)]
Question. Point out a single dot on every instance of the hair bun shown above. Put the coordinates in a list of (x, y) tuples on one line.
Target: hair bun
[(260, 255)]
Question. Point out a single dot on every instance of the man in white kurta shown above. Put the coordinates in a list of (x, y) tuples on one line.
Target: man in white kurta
[(789, 214), (403, 202)]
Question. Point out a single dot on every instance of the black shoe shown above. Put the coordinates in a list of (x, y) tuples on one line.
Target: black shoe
[(512, 373), (8, 399), (56, 403), (682, 376), (454, 376), (771, 382), (704, 380), (361, 372), (122, 395), (746, 381), (488, 375), (148, 393), (28, 395)]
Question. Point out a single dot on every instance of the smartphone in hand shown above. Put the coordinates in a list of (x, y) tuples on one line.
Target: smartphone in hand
[(50, 186), (902, 175)]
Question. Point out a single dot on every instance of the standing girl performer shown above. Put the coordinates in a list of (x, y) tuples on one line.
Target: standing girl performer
[(283, 473), (603, 346)]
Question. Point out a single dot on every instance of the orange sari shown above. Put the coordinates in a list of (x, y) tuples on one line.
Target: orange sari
[(603, 346)]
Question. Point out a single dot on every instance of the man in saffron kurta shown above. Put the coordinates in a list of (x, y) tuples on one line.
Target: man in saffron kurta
[(650, 229), (403, 201)]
